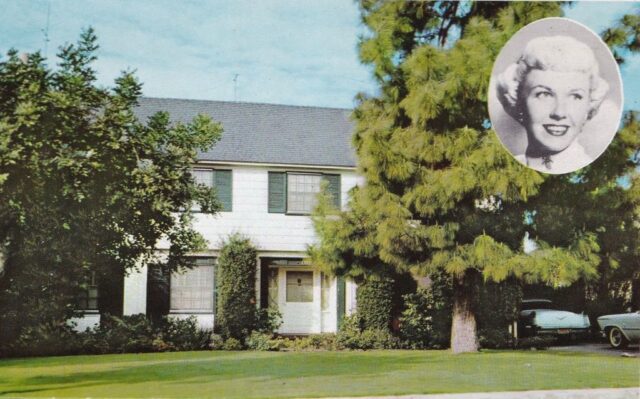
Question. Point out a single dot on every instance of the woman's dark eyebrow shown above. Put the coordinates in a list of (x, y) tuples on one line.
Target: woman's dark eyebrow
[(543, 86), (577, 90)]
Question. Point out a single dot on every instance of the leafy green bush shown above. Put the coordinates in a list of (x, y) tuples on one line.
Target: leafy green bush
[(184, 334), (352, 336), (426, 320), (496, 338), (136, 333), (236, 313), (44, 340), (232, 344), (325, 341), (374, 299), (268, 320), (121, 335), (498, 307), (217, 342), (259, 341)]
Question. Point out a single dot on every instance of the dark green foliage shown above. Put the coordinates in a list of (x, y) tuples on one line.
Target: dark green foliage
[(374, 299), (84, 186), (352, 336), (182, 335), (498, 307), (44, 340), (268, 320), (128, 334), (136, 333), (426, 320), (236, 314), (124, 335)]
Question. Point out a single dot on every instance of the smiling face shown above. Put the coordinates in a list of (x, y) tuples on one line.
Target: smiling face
[(556, 108)]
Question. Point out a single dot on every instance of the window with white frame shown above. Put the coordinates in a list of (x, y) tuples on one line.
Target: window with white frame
[(193, 290), (302, 192), (89, 297), (204, 177), (219, 179)]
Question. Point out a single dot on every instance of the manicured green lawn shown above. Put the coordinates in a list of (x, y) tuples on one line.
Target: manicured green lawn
[(317, 374)]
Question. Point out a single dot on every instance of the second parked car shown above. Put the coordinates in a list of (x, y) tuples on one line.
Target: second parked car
[(620, 329), (541, 317)]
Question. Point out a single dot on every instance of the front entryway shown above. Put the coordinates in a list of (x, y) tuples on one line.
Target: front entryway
[(294, 288)]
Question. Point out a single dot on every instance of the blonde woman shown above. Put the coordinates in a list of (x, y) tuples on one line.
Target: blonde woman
[(553, 90)]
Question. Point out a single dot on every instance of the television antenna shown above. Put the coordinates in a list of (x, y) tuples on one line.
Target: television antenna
[(235, 87), (45, 31)]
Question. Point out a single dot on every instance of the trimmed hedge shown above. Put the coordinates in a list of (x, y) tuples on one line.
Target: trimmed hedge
[(236, 314), (374, 299)]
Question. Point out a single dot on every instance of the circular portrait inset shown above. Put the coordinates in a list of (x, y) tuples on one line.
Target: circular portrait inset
[(555, 96)]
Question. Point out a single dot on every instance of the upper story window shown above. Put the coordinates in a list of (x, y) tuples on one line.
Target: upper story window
[(302, 192), (297, 193), (194, 290), (221, 180)]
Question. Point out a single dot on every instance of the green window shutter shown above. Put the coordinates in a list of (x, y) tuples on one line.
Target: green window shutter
[(277, 192), (334, 188), (222, 181), (342, 287), (215, 287)]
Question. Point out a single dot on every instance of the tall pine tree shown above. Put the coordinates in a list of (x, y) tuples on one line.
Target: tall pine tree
[(441, 192)]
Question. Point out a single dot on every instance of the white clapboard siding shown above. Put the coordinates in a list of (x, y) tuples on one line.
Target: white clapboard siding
[(250, 216)]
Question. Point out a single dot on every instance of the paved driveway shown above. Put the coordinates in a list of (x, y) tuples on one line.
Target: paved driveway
[(602, 348)]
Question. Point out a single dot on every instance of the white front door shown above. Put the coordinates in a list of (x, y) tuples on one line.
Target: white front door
[(299, 301)]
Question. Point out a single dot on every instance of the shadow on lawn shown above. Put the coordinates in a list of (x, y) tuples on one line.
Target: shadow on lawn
[(265, 366)]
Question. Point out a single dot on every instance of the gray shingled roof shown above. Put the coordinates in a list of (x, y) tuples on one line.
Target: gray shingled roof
[(267, 133)]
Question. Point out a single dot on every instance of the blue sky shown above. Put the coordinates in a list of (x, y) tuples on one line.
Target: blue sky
[(283, 51)]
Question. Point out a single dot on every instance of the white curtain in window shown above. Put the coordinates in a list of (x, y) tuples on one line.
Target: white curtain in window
[(193, 290), (302, 191)]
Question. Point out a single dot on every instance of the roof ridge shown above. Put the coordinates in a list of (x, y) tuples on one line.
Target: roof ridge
[(245, 102)]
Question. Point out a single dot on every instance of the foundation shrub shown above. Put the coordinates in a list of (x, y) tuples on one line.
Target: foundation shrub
[(44, 340), (259, 341), (353, 336), (236, 313), (184, 335), (374, 299), (232, 344), (268, 320), (121, 335), (217, 342)]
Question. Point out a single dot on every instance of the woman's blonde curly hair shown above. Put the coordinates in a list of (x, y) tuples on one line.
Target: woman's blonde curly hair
[(554, 53)]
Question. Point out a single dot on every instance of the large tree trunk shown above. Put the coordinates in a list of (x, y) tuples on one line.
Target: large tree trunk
[(464, 336)]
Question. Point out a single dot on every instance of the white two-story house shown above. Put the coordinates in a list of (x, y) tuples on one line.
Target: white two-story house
[(267, 170)]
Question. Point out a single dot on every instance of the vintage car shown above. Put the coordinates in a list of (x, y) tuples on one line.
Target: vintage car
[(620, 329), (539, 317)]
